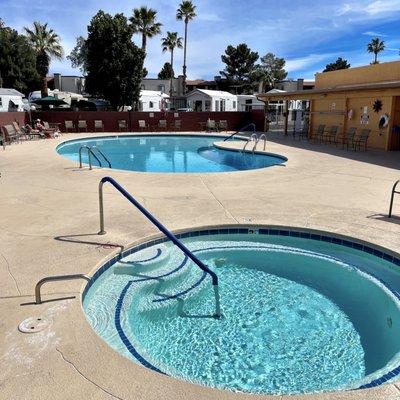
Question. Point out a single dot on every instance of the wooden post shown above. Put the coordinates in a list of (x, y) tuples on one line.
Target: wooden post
[(345, 117), (286, 117)]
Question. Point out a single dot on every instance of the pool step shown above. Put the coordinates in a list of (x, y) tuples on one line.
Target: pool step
[(144, 261)]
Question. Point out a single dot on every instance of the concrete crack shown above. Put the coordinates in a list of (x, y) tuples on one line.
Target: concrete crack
[(227, 212), (87, 379), (10, 273)]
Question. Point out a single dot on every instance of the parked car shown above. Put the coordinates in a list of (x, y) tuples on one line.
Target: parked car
[(186, 109)]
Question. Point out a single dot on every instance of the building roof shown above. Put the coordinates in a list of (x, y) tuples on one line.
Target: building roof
[(316, 93), (153, 93), (10, 92), (213, 93)]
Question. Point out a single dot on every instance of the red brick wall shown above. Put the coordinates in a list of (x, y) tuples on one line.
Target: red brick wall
[(7, 118), (190, 121)]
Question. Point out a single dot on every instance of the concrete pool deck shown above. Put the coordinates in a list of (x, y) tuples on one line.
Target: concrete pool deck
[(49, 223)]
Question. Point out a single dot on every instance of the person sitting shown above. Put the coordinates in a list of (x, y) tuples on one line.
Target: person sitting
[(33, 132), (48, 132)]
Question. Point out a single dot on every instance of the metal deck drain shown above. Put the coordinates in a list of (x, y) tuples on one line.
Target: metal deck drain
[(34, 324)]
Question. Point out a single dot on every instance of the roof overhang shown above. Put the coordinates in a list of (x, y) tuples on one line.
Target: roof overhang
[(320, 93)]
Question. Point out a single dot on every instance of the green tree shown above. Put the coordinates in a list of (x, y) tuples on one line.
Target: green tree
[(376, 46), (167, 72), (46, 44), (144, 22), (340, 63), (240, 66), (169, 43), (270, 71), (78, 55), (114, 63), (186, 12), (17, 61)]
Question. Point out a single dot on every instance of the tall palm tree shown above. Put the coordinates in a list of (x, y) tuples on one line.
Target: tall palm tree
[(144, 22), (169, 43), (186, 12), (376, 46), (46, 43)]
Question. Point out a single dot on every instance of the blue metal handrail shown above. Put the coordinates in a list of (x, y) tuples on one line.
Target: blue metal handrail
[(164, 230), (394, 191), (103, 155), (242, 130), (90, 154)]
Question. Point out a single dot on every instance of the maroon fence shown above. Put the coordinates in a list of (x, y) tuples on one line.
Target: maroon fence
[(7, 118), (190, 121)]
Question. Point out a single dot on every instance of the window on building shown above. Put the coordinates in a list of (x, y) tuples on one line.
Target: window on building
[(161, 88), (151, 104), (234, 104), (223, 105), (142, 87), (1, 102), (249, 101), (216, 105), (208, 105)]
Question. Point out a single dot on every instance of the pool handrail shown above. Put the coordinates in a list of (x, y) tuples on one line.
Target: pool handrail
[(90, 154), (103, 155), (242, 130), (392, 197), (163, 229), (253, 137)]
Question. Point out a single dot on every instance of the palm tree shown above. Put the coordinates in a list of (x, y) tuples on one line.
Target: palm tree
[(169, 43), (376, 46), (185, 12), (46, 44), (144, 22)]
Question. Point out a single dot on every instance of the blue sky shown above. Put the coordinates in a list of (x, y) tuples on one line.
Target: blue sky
[(308, 34)]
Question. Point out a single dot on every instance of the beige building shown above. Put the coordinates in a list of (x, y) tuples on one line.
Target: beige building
[(357, 97)]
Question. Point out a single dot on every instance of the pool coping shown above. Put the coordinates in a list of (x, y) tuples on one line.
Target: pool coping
[(261, 229)]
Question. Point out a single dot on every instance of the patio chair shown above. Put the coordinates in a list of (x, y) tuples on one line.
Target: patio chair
[(348, 139), (303, 133), (98, 124), (211, 125), (162, 124), (362, 139), (122, 126), (223, 125), (21, 132), (177, 125), (82, 125), (331, 136), (69, 125), (143, 125), (31, 133), (10, 134), (319, 133)]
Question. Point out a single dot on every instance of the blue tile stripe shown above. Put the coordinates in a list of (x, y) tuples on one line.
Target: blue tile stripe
[(245, 230)]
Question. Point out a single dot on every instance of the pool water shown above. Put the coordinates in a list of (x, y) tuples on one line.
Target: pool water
[(168, 153), (299, 315)]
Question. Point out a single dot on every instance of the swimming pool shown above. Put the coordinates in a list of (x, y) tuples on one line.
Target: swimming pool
[(303, 311), (168, 153)]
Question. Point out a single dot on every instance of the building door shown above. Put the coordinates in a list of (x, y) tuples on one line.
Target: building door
[(198, 105), (394, 138)]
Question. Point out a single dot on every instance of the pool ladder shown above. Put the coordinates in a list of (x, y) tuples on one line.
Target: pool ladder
[(255, 138), (90, 154)]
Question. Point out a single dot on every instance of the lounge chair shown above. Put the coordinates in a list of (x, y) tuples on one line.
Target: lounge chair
[(177, 125), (362, 139), (162, 124), (143, 125), (98, 124), (69, 125), (319, 133), (331, 136), (211, 125), (122, 125), (21, 132), (82, 125), (10, 134), (348, 139), (223, 125), (31, 133)]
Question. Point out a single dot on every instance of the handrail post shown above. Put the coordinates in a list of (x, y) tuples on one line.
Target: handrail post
[(392, 198), (101, 208), (164, 230), (38, 297)]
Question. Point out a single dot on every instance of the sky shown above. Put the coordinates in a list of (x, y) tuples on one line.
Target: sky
[(308, 34)]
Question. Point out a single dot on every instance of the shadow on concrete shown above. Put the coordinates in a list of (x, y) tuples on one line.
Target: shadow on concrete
[(74, 239), (385, 218), (388, 159), (32, 303)]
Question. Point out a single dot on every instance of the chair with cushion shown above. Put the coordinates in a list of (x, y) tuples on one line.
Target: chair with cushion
[(122, 126), (223, 125), (162, 124), (98, 124), (143, 125), (177, 125), (10, 134), (211, 125), (69, 126)]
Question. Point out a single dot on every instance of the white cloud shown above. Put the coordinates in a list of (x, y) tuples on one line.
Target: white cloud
[(373, 33), (296, 64), (209, 17)]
